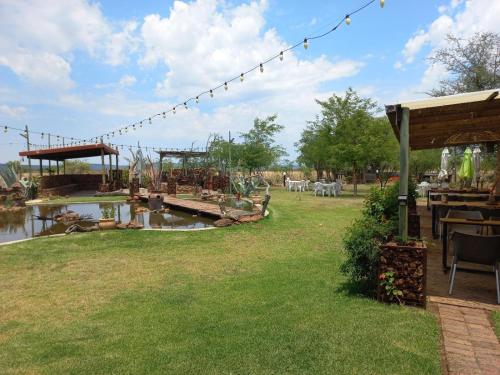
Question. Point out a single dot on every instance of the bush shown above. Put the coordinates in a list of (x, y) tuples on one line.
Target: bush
[(364, 238), (362, 244)]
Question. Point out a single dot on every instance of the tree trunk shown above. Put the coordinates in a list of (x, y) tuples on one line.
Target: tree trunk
[(355, 181)]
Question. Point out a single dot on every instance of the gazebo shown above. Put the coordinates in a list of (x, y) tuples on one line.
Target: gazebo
[(472, 118), (61, 154), (184, 155)]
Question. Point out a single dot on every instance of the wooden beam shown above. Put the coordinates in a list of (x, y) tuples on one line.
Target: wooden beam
[(404, 156), (497, 181)]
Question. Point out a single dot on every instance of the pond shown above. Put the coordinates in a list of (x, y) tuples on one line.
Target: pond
[(38, 220)]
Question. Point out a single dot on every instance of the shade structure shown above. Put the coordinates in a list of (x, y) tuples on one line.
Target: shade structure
[(70, 152), (466, 171), (476, 162), (443, 171)]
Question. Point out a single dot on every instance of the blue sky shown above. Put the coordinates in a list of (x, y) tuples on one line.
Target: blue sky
[(81, 68)]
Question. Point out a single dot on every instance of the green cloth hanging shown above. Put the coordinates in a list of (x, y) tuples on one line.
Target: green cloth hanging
[(466, 171)]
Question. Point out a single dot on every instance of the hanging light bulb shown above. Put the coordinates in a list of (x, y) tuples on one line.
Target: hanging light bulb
[(107, 136), (241, 77), (347, 20), (281, 56), (173, 110), (150, 121), (225, 86), (5, 129), (120, 131), (112, 134), (140, 124), (261, 68), (197, 100), (133, 127), (185, 105), (42, 133), (382, 3), (163, 114), (305, 43), (126, 129), (211, 93)]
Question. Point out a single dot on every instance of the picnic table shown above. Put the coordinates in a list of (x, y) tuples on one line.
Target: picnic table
[(484, 205), (467, 194), (446, 221)]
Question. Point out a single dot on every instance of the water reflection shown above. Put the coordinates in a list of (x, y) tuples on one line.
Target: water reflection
[(39, 220)]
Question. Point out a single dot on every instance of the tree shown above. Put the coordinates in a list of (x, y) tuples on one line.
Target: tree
[(259, 149), (473, 64), (76, 167), (422, 161)]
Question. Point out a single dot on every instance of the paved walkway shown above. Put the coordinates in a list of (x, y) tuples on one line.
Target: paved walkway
[(470, 343)]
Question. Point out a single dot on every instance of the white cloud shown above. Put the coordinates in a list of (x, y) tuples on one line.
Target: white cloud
[(127, 80), (461, 18), (202, 46), (39, 37), (12, 111)]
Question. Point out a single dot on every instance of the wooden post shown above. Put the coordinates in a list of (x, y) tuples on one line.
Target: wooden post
[(103, 167), (64, 166), (404, 150), (110, 168), (57, 167), (160, 167), (27, 136), (41, 168), (50, 164), (497, 189)]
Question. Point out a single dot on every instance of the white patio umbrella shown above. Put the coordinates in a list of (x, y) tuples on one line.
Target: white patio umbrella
[(476, 162), (443, 172)]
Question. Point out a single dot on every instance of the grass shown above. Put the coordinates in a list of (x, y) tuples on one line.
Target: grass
[(495, 316), (263, 298), (77, 199)]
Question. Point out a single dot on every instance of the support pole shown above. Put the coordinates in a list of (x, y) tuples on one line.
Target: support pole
[(27, 136), (103, 168), (57, 167), (497, 189), (404, 150), (50, 164), (110, 168), (64, 166), (41, 168)]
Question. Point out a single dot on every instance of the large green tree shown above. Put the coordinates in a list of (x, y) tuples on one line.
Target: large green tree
[(473, 64)]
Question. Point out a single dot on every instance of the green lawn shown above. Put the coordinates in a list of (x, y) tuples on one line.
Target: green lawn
[(495, 316), (264, 298)]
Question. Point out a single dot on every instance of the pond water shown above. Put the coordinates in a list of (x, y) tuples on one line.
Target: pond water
[(241, 204), (28, 223)]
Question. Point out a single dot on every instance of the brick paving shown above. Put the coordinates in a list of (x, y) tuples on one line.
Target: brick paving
[(469, 341)]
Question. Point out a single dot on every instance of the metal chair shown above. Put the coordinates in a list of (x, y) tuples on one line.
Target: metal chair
[(478, 249)]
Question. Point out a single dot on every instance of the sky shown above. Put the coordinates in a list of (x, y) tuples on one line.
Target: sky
[(80, 68)]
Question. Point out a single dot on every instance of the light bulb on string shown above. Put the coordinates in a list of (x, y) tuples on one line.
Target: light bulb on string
[(133, 127), (140, 124), (211, 93), (197, 100), (347, 20), (164, 115), (305, 43), (241, 77), (185, 105), (126, 130), (225, 86), (120, 131), (261, 68), (281, 56), (173, 110), (42, 136), (150, 121), (5, 129), (382, 3)]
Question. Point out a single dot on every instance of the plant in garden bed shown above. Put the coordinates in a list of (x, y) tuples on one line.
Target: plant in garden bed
[(107, 220), (389, 289)]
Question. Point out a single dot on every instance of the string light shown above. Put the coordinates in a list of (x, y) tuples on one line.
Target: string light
[(241, 77), (173, 110), (225, 86), (305, 43), (211, 93), (197, 100), (261, 68), (382, 3), (347, 20), (281, 56), (164, 115), (5, 129), (150, 121), (185, 105)]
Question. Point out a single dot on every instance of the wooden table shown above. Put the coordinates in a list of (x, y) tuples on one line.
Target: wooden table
[(445, 221), (456, 193), (483, 205)]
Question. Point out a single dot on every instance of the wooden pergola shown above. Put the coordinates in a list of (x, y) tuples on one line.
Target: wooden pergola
[(472, 118), (180, 154), (58, 154)]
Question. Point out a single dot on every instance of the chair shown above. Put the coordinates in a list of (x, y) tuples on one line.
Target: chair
[(495, 229), (464, 228), (478, 249)]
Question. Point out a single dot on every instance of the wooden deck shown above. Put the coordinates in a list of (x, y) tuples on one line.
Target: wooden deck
[(202, 208)]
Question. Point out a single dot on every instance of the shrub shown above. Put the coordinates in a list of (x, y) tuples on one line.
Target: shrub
[(362, 245)]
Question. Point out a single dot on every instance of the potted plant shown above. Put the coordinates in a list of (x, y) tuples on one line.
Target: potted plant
[(107, 221)]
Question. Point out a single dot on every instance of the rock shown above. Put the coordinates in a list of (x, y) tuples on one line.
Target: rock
[(129, 225), (224, 222), (250, 218)]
